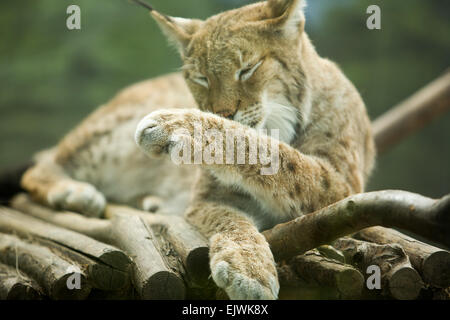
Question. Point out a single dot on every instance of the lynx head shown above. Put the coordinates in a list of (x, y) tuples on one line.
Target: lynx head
[(245, 64)]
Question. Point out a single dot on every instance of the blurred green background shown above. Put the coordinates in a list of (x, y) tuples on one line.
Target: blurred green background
[(51, 78)]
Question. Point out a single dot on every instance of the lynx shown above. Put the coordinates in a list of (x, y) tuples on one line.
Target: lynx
[(244, 69)]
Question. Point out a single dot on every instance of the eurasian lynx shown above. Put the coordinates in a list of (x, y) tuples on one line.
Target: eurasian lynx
[(245, 69)]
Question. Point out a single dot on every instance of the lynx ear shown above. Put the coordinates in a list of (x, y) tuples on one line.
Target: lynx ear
[(288, 15), (179, 31)]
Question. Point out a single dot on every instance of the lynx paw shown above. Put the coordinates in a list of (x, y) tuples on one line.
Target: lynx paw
[(77, 196), (161, 130), (245, 274), (238, 286)]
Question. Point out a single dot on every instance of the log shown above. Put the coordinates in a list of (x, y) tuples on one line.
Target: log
[(106, 266), (15, 286), (190, 245), (398, 278), (331, 252), (393, 208), (91, 227), (126, 229), (98, 274), (343, 278), (152, 276), (412, 114), (433, 263), (183, 246), (49, 270), (292, 287)]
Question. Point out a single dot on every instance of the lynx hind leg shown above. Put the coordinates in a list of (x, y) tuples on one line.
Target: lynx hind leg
[(240, 258), (77, 196), (49, 184)]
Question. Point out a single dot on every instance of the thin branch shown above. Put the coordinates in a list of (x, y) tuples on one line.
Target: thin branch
[(413, 113)]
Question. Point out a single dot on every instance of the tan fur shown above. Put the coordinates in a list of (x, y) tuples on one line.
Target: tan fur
[(249, 68)]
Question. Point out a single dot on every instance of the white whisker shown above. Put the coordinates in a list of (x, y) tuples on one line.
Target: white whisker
[(282, 116)]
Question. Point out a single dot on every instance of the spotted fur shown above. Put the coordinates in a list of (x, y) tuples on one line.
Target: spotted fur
[(249, 68)]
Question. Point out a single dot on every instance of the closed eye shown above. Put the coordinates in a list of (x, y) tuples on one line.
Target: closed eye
[(246, 73), (203, 81)]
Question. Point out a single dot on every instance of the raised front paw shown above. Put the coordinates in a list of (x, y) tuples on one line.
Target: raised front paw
[(155, 134), (245, 271), (76, 196), (160, 131)]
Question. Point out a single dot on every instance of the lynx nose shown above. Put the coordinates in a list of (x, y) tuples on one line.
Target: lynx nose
[(229, 114)]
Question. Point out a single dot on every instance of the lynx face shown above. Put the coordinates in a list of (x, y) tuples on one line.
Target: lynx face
[(245, 64)]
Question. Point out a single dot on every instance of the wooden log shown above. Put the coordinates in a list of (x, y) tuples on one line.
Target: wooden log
[(152, 276), (46, 268), (412, 114), (128, 232), (91, 227), (433, 263), (398, 278), (15, 286), (127, 293), (189, 244), (107, 267), (391, 208), (98, 274), (345, 279), (331, 252), (292, 287)]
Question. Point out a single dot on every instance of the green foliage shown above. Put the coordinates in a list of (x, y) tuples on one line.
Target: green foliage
[(51, 78)]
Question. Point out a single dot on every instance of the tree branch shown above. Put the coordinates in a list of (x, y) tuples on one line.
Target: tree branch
[(412, 212), (412, 114)]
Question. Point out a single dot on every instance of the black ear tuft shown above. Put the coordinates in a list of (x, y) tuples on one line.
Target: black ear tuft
[(143, 4)]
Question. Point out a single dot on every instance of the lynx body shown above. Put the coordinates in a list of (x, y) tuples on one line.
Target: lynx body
[(243, 69)]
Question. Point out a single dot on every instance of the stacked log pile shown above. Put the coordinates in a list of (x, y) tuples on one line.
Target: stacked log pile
[(134, 254), (329, 254)]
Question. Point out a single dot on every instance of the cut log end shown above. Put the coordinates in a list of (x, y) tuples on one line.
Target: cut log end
[(107, 278), (405, 284), (350, 283), (117, 259), (60, 289), (20, 291), (197, 265), (163, 286), (436, 269)]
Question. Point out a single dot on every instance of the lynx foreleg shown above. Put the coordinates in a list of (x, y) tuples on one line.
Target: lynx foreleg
[(240, 258), (287, 182), (302, 183)]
